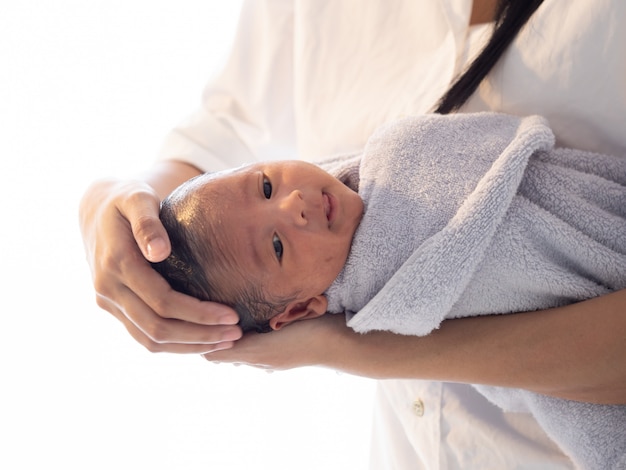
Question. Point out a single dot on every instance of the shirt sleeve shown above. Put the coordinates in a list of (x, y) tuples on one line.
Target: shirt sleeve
[(302, 81), (246, 111)]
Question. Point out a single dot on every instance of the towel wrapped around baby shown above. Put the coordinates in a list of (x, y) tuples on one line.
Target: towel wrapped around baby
[(476, 214)]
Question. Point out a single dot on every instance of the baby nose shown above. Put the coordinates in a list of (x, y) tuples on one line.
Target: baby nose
[(293, 206)]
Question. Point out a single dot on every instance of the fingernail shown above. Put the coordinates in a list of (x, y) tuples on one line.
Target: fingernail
[(155, 246), (229, 319), (231, 335)]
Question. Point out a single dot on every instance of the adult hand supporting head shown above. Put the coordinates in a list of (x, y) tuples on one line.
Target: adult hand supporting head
[(120, 225)]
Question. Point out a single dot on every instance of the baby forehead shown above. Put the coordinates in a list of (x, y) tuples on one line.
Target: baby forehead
[(225, 189), (219, 179), (229, 178)]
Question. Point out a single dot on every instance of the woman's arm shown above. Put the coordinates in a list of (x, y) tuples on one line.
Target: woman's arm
[(576, 352), (120, 225)]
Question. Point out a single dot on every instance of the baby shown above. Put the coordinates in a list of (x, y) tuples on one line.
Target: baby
[(493, 221), (439, 217)]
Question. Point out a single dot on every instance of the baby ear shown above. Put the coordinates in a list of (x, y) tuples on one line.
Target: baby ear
[(310, 308)]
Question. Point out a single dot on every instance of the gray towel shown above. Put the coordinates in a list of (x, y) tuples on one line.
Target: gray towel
[(477, 214)]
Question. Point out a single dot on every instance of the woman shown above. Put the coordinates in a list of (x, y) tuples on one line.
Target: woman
[(314, 78)]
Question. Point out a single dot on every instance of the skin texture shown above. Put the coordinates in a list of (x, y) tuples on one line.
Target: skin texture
[(559, 352), (483, 11)]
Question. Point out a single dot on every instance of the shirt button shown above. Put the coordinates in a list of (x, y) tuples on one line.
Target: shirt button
[(418, 408)]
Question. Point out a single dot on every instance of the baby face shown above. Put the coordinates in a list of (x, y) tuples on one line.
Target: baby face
[(287, 224)]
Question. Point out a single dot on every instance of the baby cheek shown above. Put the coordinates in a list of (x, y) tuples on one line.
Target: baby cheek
[(328, 259), (333, 261)]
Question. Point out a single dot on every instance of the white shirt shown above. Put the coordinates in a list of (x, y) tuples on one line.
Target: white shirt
[(311, 78)]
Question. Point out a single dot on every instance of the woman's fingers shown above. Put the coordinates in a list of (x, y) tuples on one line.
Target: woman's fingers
[(149, 288), (165, 317), (302, 343), (116, 218), (158, 334)]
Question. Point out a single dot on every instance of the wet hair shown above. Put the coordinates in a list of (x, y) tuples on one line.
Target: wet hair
[(196, 266), (510, 17)]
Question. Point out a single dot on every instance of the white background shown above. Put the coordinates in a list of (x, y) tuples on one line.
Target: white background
[(88, 89)]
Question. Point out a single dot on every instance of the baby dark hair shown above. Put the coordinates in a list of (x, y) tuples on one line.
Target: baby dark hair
[(196, 266)]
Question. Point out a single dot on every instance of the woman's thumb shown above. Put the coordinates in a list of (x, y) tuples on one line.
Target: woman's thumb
[(148, 230)]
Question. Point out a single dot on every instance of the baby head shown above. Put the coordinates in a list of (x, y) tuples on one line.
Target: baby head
[(267, 239)]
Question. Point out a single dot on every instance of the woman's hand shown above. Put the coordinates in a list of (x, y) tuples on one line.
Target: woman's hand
[(304, 343), (120, 225)]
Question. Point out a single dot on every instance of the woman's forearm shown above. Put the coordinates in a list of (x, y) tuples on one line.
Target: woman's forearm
[(165, 176), (576, 352)]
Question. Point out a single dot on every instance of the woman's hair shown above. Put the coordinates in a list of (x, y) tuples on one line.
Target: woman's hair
[(197, 267), (510, 17)]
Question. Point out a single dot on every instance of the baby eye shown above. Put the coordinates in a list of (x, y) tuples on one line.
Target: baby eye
[(267, 188), (278, 247)]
